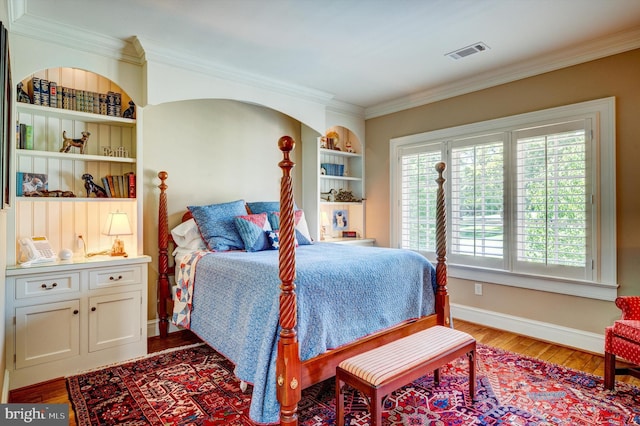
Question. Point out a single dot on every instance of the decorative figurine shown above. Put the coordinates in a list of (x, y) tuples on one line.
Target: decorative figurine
[(329, 196), (348, 146), (78, 143), (22, 95), (130, 112), (93, 187)]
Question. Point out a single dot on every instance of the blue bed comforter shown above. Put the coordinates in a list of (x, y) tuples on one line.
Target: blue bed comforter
[(344, 292)]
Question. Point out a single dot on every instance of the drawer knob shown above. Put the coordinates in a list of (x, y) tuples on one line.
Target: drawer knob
[(114, 278), (51, 287), (75, 312), (93, 309)]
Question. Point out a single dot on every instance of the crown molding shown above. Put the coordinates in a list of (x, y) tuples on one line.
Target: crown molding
[(599, 48), (49, 31), (156, 52), (346, 108)]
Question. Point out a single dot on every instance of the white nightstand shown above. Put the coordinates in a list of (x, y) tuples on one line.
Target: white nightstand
[(69, 316), (355, 241)]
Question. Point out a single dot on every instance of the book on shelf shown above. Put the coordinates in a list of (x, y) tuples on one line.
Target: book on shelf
[(44, 92), (118, 105), (105, 183), (28, 183), (123, 188), (111, 104), (111, 186), (53, 94), (25, 136), (66, 98), (131, 186), (79, 100), (59, 100), (116, 186), (33, 89), (103, 104)]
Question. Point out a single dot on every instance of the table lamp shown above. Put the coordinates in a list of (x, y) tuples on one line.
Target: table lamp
[(117, 224)]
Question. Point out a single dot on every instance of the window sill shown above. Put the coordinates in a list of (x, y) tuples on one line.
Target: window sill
[(590, 290)]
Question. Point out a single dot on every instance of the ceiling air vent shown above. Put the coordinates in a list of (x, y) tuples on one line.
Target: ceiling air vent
[(469, 50)]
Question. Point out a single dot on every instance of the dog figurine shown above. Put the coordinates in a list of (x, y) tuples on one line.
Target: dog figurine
[(22, 95), (78, 143), (130, 112), (92, 187)]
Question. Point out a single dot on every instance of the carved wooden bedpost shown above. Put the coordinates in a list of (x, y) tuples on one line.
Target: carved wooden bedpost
[(288, 368), (163, 257), (442, 297)]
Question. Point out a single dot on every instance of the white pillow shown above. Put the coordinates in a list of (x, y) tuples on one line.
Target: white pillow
[(187, 235)]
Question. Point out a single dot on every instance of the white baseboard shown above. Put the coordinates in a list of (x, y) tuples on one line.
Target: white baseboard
[(153, 330), (571, 337), (5, 388)]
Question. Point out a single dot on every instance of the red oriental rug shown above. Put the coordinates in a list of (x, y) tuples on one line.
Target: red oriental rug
[(196, 386)]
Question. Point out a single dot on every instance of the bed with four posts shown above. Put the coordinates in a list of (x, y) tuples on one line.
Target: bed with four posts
[(286, 318)]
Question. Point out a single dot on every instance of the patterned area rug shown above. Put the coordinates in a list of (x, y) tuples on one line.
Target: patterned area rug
[(196, 386)]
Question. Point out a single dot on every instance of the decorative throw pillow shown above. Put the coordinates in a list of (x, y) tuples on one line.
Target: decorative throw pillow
[(274, 240), (187, 235), (252, 229), (300, 223), (217, 226), (266, 206)]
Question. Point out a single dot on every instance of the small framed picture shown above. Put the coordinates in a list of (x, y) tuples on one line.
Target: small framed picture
[(31, 183), (340, 220)]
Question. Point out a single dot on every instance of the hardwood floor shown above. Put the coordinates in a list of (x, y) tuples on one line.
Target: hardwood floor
[(55, 391)]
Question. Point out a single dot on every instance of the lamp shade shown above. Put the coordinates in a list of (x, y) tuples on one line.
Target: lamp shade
[(117, 224)]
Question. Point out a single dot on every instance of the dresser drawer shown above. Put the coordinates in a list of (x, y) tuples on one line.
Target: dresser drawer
[(112, 277), (47, 285)]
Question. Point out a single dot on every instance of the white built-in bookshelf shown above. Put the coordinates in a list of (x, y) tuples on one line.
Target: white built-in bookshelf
[(111, 150)]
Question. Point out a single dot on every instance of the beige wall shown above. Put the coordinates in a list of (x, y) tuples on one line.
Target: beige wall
[(618, 76), (214, 151)]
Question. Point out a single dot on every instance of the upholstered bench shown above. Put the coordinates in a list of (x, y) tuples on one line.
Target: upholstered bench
[(378, 372)]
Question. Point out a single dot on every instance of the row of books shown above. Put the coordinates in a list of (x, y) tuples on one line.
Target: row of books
[(120, 186), (25, 136), (47, 93)]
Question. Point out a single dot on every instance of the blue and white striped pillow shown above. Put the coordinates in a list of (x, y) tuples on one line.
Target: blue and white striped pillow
[(253, 230)]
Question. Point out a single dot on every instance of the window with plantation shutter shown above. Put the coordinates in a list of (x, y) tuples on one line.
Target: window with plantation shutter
[(530, 198), (418, 199), (553, 200), (477, 200)]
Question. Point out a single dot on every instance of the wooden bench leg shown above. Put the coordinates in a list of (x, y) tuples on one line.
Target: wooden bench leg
[(339, 402), (376, 408), (436, 377)]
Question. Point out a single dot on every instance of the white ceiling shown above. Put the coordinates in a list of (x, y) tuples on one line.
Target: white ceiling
[(370, 53)]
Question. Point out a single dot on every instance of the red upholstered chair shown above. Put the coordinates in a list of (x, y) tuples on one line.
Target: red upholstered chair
[(623, 339)]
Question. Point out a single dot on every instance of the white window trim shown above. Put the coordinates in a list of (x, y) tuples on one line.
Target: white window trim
[(604, 285)]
